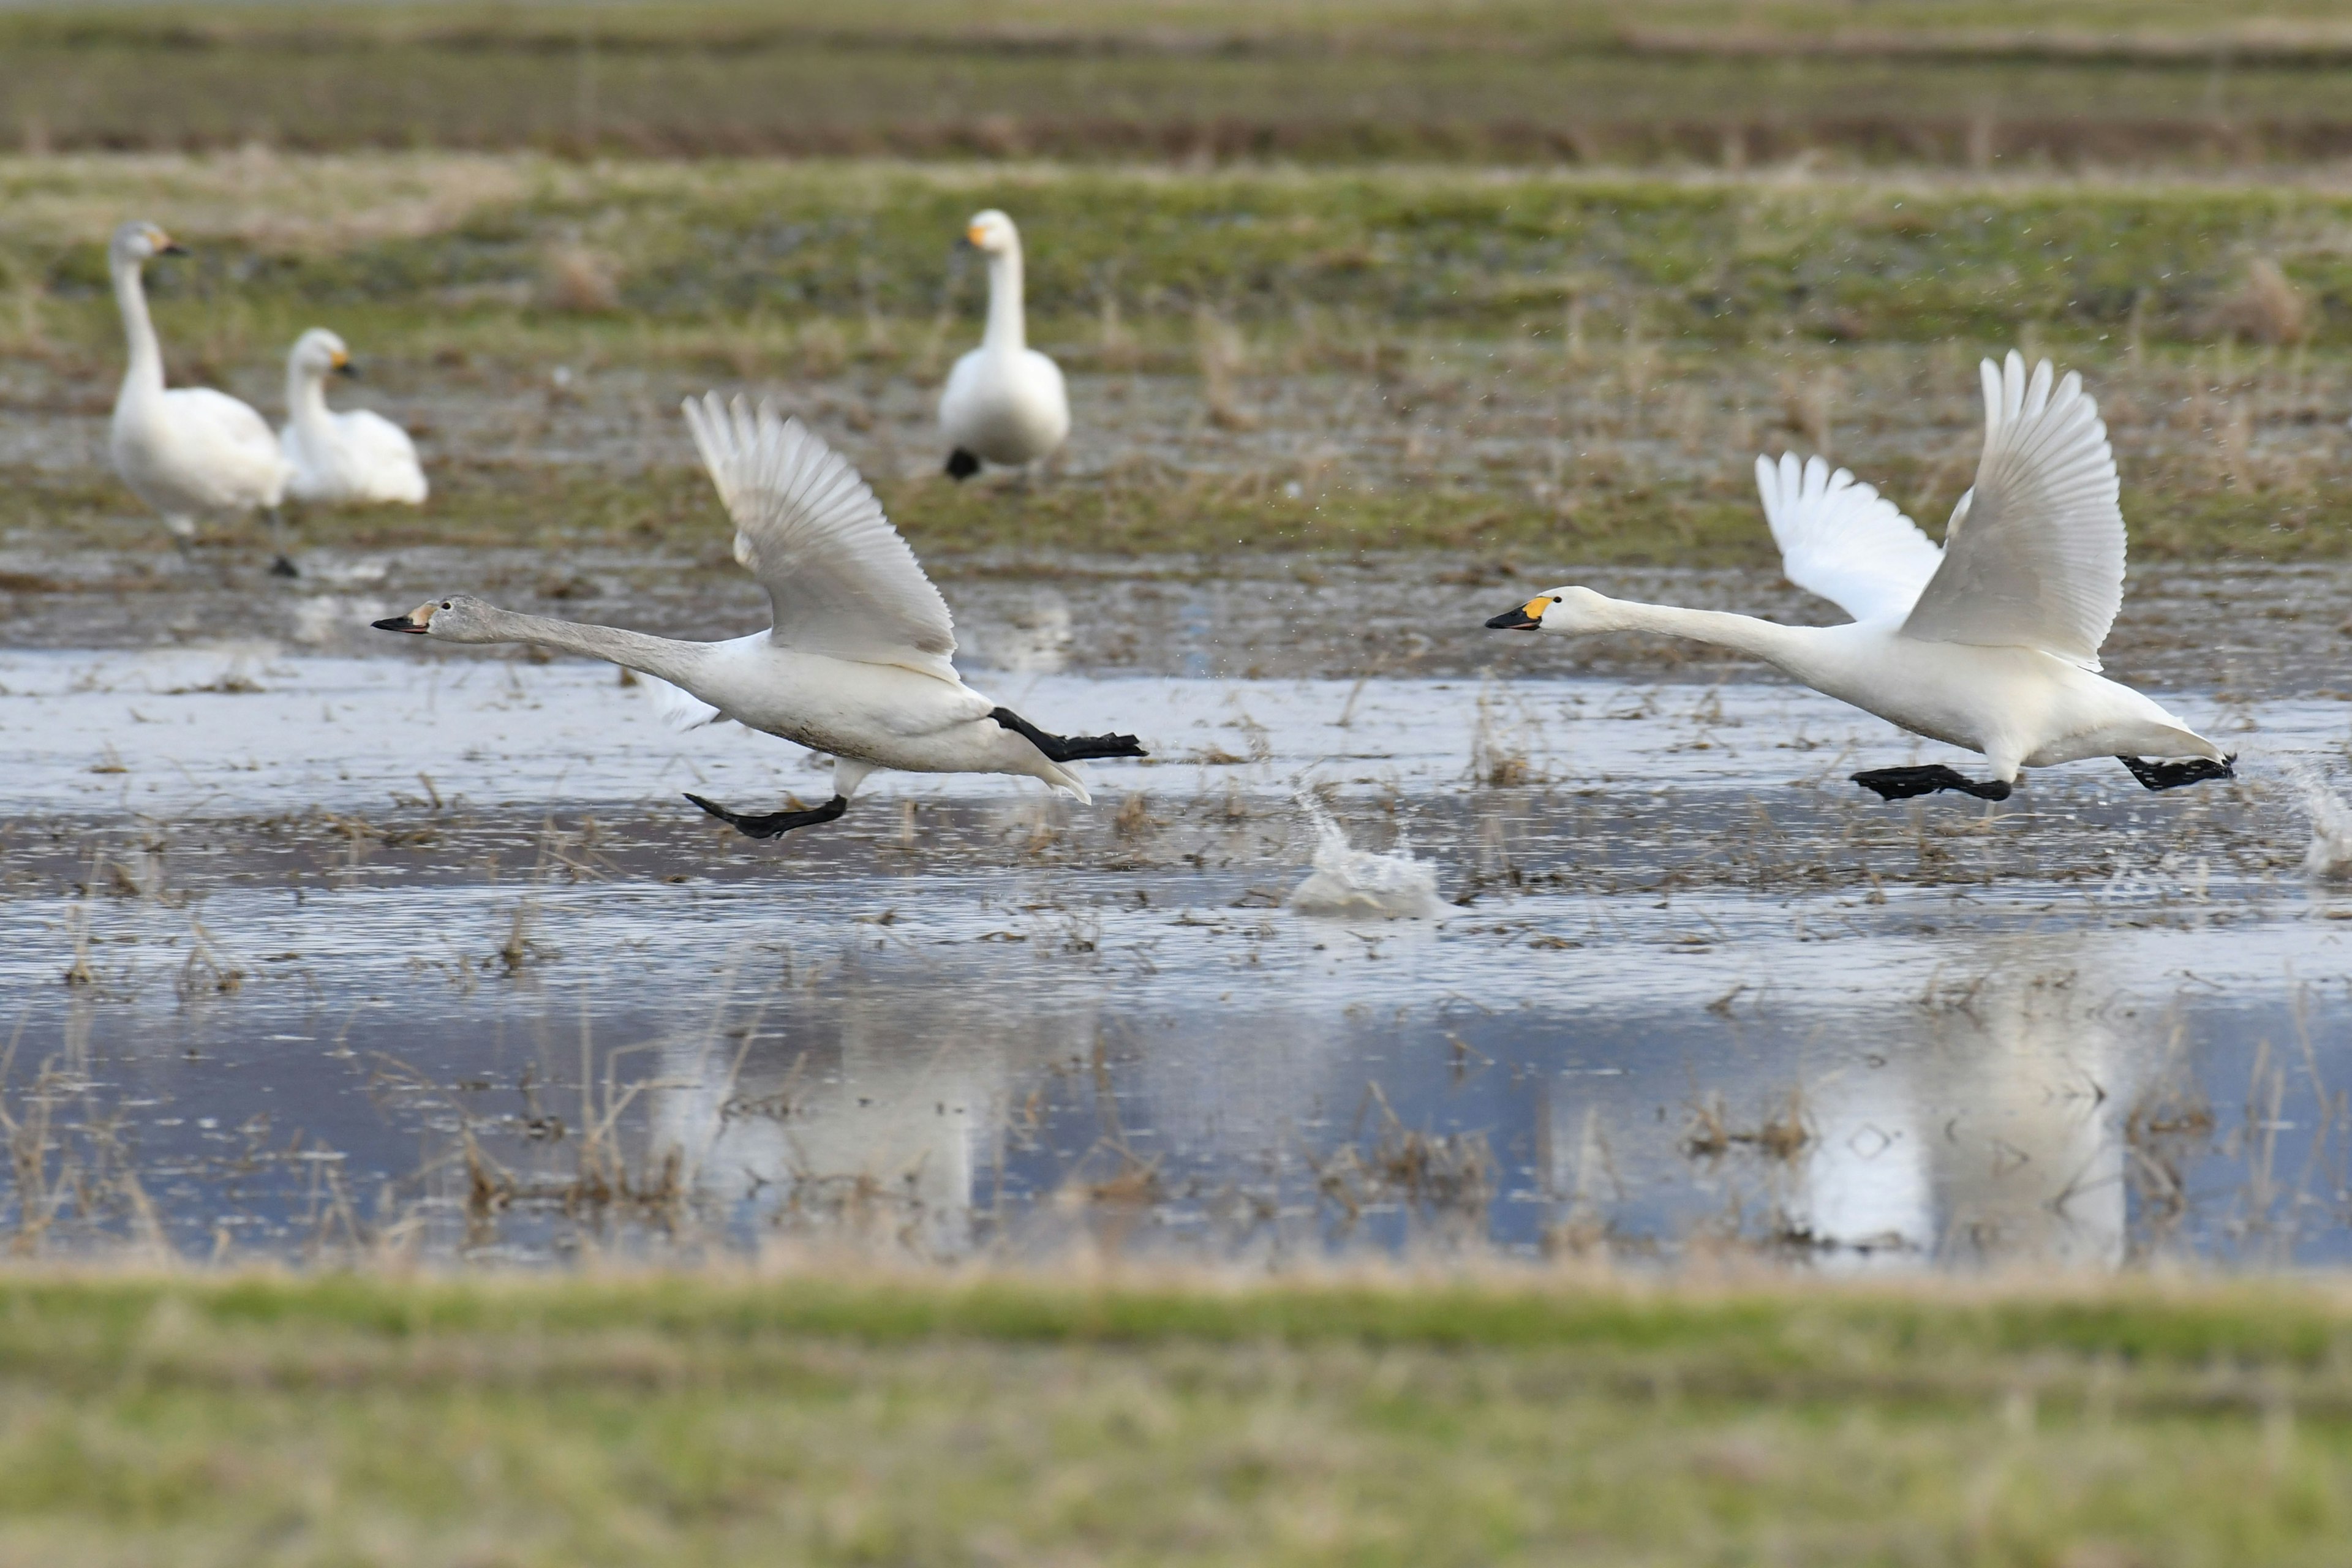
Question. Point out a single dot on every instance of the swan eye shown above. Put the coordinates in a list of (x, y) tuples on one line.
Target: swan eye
[(444, 604)]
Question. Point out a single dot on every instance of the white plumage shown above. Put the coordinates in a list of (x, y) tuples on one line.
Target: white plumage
[(1004, 402), (188, 452), (356, 457), (1990, 643)]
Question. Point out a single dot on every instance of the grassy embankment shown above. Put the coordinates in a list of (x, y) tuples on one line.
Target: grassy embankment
[(1961, 82), (1698, 317), (830, 1419)]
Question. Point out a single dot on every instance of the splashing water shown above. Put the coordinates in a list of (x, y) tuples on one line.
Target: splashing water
[(1350, 881), (2330, 858)]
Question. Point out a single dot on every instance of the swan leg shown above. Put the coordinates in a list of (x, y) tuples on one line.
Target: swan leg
[(2172, 776), (1068, 748), (774, 824), (284, 565), (962, 465), (1901, 784)]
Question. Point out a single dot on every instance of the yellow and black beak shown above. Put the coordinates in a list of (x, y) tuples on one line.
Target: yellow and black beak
[(346, 366), (1528, 617), (171, 247), (414, 623)]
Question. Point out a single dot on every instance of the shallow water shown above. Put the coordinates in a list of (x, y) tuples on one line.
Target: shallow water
[(314, 947)]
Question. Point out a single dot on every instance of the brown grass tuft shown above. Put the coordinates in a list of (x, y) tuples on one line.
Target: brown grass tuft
[(580, 281), (2266, 306)]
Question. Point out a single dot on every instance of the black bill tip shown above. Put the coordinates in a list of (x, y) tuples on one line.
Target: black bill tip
[(174, 249), (1515, 619), (350, 368), (398, 623)]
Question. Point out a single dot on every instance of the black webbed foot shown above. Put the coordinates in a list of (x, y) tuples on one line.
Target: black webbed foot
[(774, 824), (2172, 776), (1901, 784), (962, 465), (1069, 748)]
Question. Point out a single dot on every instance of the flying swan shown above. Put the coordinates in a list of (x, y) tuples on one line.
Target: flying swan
[(1004, 402), (187, 451), (354, 459), (1991, 642), (856, 663)]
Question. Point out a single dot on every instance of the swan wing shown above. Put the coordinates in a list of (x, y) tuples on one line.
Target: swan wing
[(224, 425), (2035, 557), (842, 580), (1841, 538)]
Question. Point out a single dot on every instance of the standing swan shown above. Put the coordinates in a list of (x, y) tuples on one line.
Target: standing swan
[(188, 451), (1990, 643), (856, 663), (351, 458), (1004, 402)]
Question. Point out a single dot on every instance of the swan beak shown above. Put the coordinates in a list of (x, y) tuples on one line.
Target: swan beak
[(414, 623), (173, 248), (1528, 617), (346, 366)]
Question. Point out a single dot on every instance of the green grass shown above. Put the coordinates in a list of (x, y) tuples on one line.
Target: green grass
[(352, 1419)]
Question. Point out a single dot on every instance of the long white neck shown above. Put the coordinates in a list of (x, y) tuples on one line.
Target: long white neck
[(679, 663), (1005, 333), (1788, 647), (145, 373), (306, 397)]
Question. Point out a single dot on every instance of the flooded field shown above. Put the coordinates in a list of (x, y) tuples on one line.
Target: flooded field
[(317, 942)]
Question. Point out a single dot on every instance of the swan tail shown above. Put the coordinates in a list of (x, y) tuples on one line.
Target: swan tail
[(1060, 777), (679, 707)]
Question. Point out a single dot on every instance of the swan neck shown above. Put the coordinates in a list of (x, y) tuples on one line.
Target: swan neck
[(1766, 640), (145, 373), (1007, 332), (666, 659), (306, 397)]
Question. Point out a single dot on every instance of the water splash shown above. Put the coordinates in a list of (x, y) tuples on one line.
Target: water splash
[(1347, 881), (2330, 857)]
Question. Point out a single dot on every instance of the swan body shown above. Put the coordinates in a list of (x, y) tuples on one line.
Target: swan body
[(1004, 402), (1990, 643), (858, 662), (355, 458), (188, 452)]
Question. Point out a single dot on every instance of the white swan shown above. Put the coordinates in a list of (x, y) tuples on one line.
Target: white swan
[(1004, 402), (1990, 643), (856, 664), (351, 458), (189, 452)]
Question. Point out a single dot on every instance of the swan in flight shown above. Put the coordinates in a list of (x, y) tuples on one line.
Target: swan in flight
[(187, 451), (351, 458), (856, 663), (1004, 402), (1991, 642)]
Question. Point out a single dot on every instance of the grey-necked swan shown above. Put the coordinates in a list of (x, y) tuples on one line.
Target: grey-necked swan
[(1991, 642), (187, 451), (856, 663), (1004, 402), (354, 459)]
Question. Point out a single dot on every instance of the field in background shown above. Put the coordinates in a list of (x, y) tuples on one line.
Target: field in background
[(1975, 83), (1578, 364), (831, 1418)]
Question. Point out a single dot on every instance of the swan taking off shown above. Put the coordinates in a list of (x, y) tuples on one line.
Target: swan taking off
[(189, 452), (856, 664), (1004, 402), (1991, 642), (354, 459)]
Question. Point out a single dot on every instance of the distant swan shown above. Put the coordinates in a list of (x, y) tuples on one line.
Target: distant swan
[(856, 664), (1990, 642), (189, 452), (350, 458), (1004, 402)]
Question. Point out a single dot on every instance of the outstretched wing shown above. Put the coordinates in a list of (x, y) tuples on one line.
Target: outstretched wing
[(2036, 558), (1841, 538), (842, 581)]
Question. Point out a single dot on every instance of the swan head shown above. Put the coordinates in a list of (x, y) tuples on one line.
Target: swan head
[(460, 617), (319, 352), (992, 232), (138, 240), (1567, 610)]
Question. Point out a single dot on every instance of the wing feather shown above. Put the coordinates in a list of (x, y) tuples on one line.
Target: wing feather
[(1841, 538), (2037, 558), (842, 581)]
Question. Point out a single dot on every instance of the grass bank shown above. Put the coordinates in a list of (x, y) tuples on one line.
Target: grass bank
[(823, 1419)]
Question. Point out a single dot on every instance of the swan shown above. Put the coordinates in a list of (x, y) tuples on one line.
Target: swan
[(1991, 642), (351, 458), (856, 664), (187, 451), (1004, 402)]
